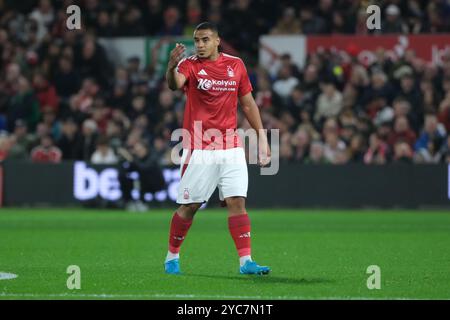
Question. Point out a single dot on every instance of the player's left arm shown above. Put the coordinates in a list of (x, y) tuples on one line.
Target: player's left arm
[(251, 112)]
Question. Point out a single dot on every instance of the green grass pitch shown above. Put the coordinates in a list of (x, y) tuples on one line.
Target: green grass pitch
[(314, 254)]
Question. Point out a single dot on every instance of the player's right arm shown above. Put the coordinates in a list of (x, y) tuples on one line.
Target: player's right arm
[(175, 80)]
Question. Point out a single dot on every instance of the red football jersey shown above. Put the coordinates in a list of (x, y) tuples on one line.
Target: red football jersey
[(212, 89)]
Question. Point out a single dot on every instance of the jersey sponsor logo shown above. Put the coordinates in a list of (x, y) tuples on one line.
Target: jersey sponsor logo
[(202, 72), (218, 85)]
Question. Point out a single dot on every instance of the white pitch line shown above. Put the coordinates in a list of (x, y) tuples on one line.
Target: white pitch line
[(186, 296), (7, 276)]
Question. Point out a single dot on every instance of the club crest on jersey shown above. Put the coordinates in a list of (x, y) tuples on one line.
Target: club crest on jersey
[(186, 193), (230, 71)]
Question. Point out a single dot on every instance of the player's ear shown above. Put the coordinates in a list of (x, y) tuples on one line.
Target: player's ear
[(218, 41)]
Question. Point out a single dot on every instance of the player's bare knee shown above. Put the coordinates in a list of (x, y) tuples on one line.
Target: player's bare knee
[(188, 211), (235, 205)]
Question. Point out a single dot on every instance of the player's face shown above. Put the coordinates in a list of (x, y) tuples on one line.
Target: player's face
[(206, 43)]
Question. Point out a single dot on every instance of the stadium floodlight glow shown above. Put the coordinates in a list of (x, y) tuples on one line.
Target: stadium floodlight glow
[(135, 194), (148, 197), (161, 195)]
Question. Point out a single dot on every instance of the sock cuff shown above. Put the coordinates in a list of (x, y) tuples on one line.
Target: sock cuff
[(244, 252), (173, 249), (239, 220)]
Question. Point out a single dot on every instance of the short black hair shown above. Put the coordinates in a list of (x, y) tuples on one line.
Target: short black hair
[(207, 26)]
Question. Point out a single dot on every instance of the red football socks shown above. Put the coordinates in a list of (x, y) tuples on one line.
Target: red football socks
[(239, 227), (179, 227)]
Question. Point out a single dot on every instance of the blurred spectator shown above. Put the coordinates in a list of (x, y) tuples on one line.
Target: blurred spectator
[(23, 105), (403, 152), (311, 23), (316, 154), (333, 148), (194, 15), (45, 93), (432, 136), (444, 112), (115, 133), (431, 153), (356, 149), (103, 154), (286, 150), (104, 25), (46, 152), (130, 23), (5, 145), (285, 83), (172, 25), (329, 103), (285, 60), (153, 16), (301, 143), (410, 92), (139, 170), (67, 80), (43, 15), (21, 141), (377, 94), (244, 15), (445, 149), (91, 61), (82, 102), (89, 139), (377, 153), (402, 132), (288, 24), (70, 142), (49, 118), (393, 22)]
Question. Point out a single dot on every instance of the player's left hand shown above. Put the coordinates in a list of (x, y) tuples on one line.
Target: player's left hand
[(264, 154)]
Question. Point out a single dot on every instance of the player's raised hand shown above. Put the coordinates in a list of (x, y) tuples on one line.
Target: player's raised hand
[(176, 55)]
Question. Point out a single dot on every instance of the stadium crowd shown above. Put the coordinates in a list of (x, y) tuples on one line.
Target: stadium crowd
[(61, 98)]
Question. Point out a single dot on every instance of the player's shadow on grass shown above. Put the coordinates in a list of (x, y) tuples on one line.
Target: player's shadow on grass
[(266, 279)]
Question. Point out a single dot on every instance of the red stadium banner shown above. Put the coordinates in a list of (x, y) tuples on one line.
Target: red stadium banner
[(430, 48)]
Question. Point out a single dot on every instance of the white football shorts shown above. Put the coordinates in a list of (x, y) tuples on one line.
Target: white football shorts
[(202, 171)]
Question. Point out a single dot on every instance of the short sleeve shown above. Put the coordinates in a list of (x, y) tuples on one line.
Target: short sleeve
[(183, 67), (245, 85)]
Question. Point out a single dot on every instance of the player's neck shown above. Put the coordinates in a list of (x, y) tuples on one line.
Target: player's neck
[(213, 57)]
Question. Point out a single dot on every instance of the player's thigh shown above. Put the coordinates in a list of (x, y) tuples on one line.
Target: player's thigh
[(233, 180), (199, 178)]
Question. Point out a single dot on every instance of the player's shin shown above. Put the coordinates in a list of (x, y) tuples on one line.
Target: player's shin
[(239, 226), (179, 228)]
